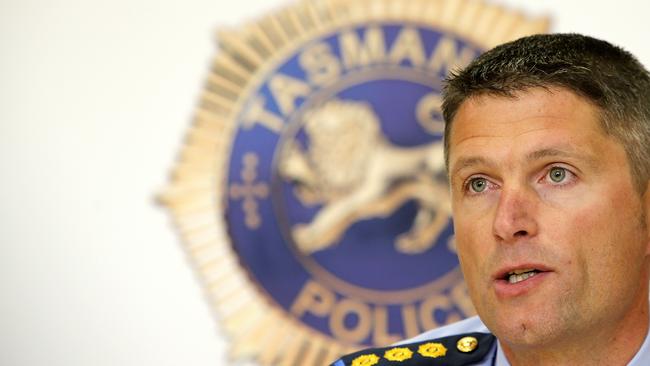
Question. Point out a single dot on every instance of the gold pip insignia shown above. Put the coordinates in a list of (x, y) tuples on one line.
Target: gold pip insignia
[(433, 350), (365, 360), (398, 354), (271, 194)]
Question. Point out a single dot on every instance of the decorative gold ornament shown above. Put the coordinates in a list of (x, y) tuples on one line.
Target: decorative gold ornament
[(249, 191), (398, 354), (257, 327), (467, 344), (433, 350), (365, 360)]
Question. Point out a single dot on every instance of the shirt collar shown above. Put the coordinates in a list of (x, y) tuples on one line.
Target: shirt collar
[(501, 359)]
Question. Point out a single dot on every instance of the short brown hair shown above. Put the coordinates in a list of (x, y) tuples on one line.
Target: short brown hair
[(609, 77)]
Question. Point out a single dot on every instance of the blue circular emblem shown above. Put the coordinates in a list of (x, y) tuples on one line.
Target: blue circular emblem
[(337, 200)]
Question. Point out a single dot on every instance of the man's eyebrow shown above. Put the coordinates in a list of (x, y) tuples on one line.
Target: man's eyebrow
[(551, 152), (468, 162), (565, 152), (471, 161)]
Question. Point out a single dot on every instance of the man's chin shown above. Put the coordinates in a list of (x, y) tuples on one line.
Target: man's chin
[(524, 327)]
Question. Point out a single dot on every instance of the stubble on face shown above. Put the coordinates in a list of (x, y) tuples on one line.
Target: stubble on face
[(589, 237)]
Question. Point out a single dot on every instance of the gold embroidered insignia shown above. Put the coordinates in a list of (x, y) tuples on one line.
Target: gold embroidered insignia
[(398, 354), (433, 350), (365, 360)]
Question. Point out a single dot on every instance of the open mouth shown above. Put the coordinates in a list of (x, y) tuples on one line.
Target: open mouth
[(520, 275), (517, 280)]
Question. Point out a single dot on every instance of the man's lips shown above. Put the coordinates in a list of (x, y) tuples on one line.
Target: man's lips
[(504, 272), (517, 280)]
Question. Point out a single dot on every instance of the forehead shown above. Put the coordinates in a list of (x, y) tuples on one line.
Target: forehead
[(491, 124), (494, 111)]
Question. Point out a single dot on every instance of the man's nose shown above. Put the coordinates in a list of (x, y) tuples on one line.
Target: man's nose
[(515, 215)]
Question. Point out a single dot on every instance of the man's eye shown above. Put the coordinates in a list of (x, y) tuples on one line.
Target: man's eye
[(557, 174), (478, 185)]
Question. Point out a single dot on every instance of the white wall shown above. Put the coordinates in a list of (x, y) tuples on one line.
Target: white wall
[(95, 97)]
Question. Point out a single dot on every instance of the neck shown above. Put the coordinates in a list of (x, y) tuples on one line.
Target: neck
[(615, 343)]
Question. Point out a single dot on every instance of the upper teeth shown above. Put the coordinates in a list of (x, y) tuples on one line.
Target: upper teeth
[(520, 271), (520, 275)]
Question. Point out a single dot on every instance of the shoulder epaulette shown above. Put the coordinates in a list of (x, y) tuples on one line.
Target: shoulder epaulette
[(456, 350)]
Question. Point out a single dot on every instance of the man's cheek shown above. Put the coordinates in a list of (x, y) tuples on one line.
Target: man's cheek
[(584, 238), (469, 257), (572, 225)]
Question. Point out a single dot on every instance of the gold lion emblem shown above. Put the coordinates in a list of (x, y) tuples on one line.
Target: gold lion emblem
[(356, 173)]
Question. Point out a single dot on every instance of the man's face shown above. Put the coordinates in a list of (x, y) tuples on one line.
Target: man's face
[(549, 228)]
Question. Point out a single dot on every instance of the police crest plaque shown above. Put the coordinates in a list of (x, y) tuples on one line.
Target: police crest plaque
[(311, 191)]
